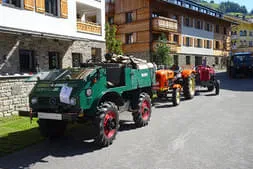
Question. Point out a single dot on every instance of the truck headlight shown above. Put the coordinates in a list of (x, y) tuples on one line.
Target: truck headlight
[(73, 101), (88, 92), (34, 100)]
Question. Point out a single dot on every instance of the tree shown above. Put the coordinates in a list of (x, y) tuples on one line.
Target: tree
[(112, 44), (161, 54)]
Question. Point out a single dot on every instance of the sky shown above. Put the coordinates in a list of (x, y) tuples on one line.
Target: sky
[(247, 3)]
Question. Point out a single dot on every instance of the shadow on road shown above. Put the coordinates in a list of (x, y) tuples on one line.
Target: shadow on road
[(239, 84), (78, 140)]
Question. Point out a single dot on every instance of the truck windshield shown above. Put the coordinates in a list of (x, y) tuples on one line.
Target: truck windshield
[(68, 74), (62, 74)]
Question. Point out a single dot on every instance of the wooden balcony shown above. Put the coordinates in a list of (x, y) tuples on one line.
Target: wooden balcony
[(174, 47), (88, 27), (165, 24)]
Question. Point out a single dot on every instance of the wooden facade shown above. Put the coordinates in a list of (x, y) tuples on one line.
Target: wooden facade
[(145, 20)]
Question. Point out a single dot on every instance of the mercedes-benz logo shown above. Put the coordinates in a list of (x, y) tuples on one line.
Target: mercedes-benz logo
[(52, 100)]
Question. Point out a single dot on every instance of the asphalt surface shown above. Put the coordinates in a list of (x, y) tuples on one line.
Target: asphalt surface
[(208, 132)]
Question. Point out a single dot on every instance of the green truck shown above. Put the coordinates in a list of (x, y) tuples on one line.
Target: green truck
[(94, 92)]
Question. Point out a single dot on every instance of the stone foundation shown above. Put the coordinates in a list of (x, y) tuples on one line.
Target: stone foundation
[(14, 95)]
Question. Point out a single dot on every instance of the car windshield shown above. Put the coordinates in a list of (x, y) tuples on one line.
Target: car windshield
[(63, 74), (244, 58)]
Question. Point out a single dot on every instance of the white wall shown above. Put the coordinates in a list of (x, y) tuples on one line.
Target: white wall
[(198, 34), (32, 21)]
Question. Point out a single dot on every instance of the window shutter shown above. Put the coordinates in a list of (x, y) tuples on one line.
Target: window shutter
[(214, 44), (184, 41), (29, 4), (134, 37), (191, 41), (211, 44), (195, 42), (205, 43), (221, 45), (64, 8), (40, 6)]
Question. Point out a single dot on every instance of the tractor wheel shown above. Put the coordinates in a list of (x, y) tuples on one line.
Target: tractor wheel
[(217, 87), (210, 88), (143, 113), (107, 123), (52, 128), (189, 87), (176, 96)]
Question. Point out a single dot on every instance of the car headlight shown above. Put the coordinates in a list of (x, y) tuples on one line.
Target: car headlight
[(73, 101), (88, 92), (34, 100)]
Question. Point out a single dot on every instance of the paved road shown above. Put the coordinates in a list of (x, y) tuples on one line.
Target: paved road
[(208, 132)]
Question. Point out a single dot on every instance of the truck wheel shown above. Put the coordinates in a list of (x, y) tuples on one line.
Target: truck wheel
[(143, 113), (176, 96), (189, 87), (108, 124), (52, 128), (217, 87)]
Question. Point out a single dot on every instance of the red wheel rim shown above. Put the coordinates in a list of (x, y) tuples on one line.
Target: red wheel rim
[(145, 110), (110, 124)]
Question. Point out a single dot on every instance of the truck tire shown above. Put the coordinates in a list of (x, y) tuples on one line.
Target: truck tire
[(107, 123), (52, 128), (189, 87), (143, 113), (176, 96), (217, 87)]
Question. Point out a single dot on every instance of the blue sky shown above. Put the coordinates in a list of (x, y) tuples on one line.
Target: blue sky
[(247, 3)]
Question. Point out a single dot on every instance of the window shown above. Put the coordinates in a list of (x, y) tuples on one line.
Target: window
[(244, 33), (217, 29), (198, 24), (188, 43), (76, 59), (54, 60), (199, 43), (27, 61), (250, 44), (175, 58), (187, 21), (96, 54), (14, 3), (208, 27), (217, 45), (225, 31), (52, 7), (208, 44), (198, 60), (175, 38), (111, 20), (188, 60), (216, 60), (250, 34), (129, 17), (129, 38)]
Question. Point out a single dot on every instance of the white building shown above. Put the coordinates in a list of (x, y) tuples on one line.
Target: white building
[(50, 34)]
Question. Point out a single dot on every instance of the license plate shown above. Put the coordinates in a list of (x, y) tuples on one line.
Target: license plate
[(50, 116)]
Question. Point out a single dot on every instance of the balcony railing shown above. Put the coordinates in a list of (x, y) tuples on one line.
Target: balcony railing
[(165, 24), (88, 27)]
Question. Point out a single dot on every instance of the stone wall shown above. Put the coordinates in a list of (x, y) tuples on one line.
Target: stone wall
[(14, 93), (10, 45)]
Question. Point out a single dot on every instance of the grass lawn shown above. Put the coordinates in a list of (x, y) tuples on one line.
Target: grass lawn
[(17, 133)]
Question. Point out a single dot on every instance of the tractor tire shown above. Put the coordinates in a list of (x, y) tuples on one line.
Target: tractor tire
[(210, 88), (52, 128), (176, 96), (107, 123), (217, 87), (189, 87), (144, 109)]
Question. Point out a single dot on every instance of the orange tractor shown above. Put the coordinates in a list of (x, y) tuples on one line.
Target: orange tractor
[(175, 82)]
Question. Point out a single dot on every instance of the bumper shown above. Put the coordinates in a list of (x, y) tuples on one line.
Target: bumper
[(50, 116)]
